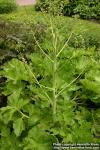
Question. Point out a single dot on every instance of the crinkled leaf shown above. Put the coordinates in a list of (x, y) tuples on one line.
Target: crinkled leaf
[(7, 114), (18, 126), (17, 70)]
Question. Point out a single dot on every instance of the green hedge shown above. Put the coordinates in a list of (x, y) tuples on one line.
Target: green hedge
[(54, 7), (82, 8), (87, 9), (7, 6)]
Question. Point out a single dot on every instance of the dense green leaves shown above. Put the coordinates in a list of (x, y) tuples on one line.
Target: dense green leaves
[(38, 139), (47, 92), (82, 8), (17, 70), (54, 7), (34, 114), (18, 126), (7, 6)]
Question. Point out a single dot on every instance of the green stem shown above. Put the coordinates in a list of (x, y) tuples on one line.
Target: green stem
[(54, 71), (54, 86)]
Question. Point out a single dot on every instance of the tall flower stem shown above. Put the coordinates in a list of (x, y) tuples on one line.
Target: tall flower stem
[(54, 71), (54, 86)]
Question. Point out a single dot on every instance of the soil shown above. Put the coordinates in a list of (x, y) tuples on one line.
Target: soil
[(25, 2)]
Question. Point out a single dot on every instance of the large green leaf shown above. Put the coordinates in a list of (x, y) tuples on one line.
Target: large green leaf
[(18, 126), (17, 70), (6, 114), (38, 139)]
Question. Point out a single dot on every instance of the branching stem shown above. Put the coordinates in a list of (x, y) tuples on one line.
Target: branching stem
[(66, 86), (42, 50), (66, 43)]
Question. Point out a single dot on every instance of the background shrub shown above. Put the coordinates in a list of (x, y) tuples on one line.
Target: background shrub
[(54, 7), (16, 38), (7, 6), (87, 9), (83, 8)]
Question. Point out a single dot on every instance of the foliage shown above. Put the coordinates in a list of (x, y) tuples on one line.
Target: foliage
[(44, 95), (54, 7), (87, 34), (49, 95), (15, 38), (16, 41), (83, 8), (88, 9), (7, 6), (85, 37)]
